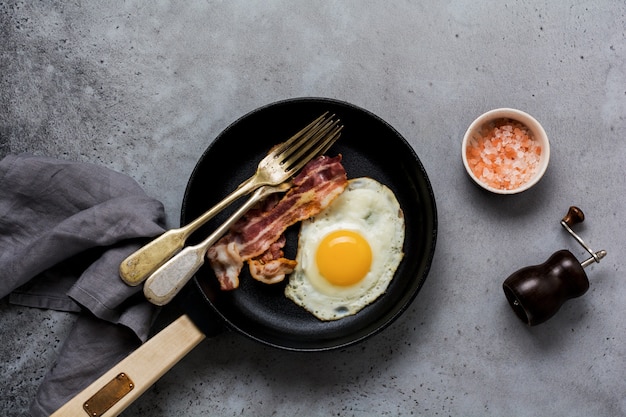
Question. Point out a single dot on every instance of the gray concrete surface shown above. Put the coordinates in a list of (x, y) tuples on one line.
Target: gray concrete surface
[(143, 88)]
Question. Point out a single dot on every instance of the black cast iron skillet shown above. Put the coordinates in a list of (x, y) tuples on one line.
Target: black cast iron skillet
[(370, 147)]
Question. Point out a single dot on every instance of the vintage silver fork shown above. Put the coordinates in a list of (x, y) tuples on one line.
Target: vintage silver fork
[(282, 162)]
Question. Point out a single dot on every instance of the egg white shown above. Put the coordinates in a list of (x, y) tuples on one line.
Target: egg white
[(371, 209)]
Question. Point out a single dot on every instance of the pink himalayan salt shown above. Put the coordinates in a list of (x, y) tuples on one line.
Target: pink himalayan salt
[(503, 154)]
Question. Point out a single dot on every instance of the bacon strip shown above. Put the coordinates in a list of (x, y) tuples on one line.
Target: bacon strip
[(272, 267), (258, 238)]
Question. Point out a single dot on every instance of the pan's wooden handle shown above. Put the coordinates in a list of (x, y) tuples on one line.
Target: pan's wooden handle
[(110, 394)]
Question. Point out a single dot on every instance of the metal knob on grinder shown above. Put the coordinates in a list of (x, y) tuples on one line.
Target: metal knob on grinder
[(537, 292)]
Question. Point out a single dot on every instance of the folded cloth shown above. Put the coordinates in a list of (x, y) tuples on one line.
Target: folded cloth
[(65, 227)]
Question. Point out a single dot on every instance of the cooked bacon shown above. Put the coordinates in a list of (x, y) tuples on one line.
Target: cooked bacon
[(259, 238), (226, 263), (272, 267)]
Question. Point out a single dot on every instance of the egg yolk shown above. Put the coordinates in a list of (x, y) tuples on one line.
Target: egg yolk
[(343, 257)]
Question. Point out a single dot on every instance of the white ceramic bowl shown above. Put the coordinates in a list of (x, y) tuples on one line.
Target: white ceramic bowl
[(529, 160)]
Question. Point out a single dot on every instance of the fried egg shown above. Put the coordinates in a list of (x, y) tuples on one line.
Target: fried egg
[(348, 253)]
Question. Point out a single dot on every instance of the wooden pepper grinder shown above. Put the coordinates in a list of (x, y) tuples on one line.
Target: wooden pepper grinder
[(537, 292)]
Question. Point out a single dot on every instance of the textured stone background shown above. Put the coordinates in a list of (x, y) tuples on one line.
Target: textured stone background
[(143, 88)]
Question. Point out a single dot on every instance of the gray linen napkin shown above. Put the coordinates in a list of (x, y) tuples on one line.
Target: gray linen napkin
[(64, 229)]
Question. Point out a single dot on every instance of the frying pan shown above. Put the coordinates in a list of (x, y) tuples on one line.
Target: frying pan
[(369, 147)]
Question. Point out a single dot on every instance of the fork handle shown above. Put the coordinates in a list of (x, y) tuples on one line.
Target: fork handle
[(163, 285), (146, 260), (167, 281)]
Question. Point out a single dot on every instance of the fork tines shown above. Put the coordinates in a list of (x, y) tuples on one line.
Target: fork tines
[(316, 139)]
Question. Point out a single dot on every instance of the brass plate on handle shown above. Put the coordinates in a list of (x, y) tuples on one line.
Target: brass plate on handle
[(108, 395)]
